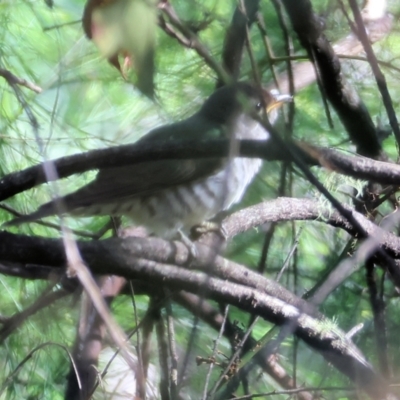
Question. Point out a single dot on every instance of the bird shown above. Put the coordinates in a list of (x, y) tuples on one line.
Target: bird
[(173, 196)]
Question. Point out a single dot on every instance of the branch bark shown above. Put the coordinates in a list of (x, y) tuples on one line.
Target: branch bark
[(152, 260), (355, 166), (349, 107)]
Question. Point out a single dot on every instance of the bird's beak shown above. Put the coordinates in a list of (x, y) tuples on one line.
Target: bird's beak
[(277, 100)]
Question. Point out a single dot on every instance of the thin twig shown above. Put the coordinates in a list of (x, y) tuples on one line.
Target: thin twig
[(30, 355), (194, 41), (14, 80), (214, 352), (172, 351), (289, 256), (49, 28), (293, 391), (140, 374), (39, 304), (163, 359), (232, 359)]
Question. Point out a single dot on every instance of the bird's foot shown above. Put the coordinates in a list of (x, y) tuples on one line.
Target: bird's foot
[(210, 234), (189, 244), (208, 227)]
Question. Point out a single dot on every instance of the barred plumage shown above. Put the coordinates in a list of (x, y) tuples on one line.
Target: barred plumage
[(170, 195)]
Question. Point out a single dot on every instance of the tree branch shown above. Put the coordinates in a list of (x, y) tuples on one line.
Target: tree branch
[(355, 166), (349, 107), (151, 260), (14, 80)]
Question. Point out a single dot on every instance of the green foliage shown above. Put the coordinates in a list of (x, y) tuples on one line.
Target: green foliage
[(86, 104)]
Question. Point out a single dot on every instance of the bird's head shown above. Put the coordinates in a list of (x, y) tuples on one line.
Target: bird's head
[(242, 97)]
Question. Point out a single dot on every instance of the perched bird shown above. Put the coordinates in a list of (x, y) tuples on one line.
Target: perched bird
[(167, 196)]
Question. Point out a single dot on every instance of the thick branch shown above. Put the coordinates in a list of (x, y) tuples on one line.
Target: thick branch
[(330, 342), (288, 209), (236, 36), (379, 77), (116, 156), (379, 26), (355, 166), (49, 252), (100, 255), (131, 258), (349, 107)]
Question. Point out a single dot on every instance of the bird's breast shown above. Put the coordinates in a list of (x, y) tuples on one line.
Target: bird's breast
[(167, 210), (184, 206)]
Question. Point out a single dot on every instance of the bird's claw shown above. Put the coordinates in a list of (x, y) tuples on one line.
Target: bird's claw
[(191, 246), (209, 227)]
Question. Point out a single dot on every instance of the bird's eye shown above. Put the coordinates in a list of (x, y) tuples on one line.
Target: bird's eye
[(259, 106)]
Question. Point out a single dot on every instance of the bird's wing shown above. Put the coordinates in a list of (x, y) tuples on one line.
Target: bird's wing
[(147, 178), (144, 179), (125, 183)]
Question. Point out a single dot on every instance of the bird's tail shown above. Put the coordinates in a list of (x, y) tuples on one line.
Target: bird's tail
[(44, 211)]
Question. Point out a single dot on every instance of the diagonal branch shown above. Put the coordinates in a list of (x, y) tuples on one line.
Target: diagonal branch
[(379, 77), (324, 338), (14, 80), (235, 37), (349, 107)]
